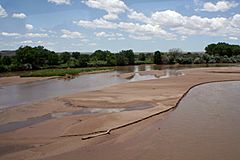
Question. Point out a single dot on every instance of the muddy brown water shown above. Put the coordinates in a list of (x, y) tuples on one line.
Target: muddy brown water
[(205, 126)]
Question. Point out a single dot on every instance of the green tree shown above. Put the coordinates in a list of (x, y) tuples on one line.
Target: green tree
[(141, 57), (83, 60), (6, 60), (65, 57), (121, 60), (111, 59), (210, 49), (76, 55), (99, 55), (157, 57), (53, 58), (32, 56), (129, 56)]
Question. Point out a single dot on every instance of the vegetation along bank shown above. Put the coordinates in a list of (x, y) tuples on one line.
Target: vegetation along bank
[(36, 58)]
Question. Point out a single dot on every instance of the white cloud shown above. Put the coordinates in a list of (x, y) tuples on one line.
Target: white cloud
[(219, 6), (138, 16), (36, 43), (104, 34), (110, 16), (236, 21), (168, 18), (70, 34), (97, 23), (43, 43), (29, 26), (112, 7), (183, 38), (58, 2), (3, 13), (110, 36), (195, 25), (26, 42), (19, 15), (115, 38), (233, 38), (167, 24), (7, 34), (36, 35), (137, 37), (146, 30)]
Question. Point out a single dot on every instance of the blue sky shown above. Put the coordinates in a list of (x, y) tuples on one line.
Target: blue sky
[(141, 25)]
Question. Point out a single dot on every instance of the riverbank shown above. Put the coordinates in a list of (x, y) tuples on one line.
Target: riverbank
[(63, 72), (162, 93), (40, 75), (14, 80)]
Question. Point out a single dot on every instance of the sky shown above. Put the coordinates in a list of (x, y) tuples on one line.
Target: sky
[(115, 25)]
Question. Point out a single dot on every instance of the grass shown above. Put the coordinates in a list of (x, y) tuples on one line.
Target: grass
[(61, 72)]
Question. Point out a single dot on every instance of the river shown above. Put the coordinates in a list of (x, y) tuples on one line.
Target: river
[(15, 95)]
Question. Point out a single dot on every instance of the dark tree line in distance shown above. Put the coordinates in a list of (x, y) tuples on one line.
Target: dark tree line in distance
[(33, 58)]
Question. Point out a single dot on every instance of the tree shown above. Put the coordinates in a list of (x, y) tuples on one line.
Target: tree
[(83, 60), (53, 58), (65, 57), (111, 59), (121, 60), (99, 55), (6, 60), (210, 48), (141, 57), (157, 57), (222, 49), (76, 55), (236, 50), (173, 54), (129, 55), (32, 56), (175, 51), (25, 54)]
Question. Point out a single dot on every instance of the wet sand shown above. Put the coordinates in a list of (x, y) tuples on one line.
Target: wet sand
[(47, 137)]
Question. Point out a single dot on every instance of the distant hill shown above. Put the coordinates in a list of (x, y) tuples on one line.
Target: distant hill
[(7, 53)]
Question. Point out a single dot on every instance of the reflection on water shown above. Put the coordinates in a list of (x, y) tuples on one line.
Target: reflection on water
[(169, 73), (138, 77), (41, 90)]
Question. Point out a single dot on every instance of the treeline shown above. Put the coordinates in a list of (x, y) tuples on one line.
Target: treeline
[(214, 53), (33, 58)]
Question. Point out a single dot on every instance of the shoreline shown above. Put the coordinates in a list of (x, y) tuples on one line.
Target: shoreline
[(164, 93), (17, 80)]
